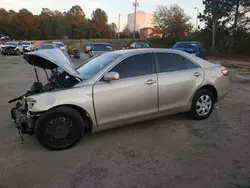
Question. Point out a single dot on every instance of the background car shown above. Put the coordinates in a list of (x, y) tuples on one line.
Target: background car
[(12, 48), (87, 47), (61, 45), (27, 46), (192, 47), (4, 37), (136, 45), (99, 49), (47, 46), (1, 45)]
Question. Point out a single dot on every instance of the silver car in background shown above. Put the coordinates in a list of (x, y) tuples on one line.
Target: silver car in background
[(60, 45), (115, 89)]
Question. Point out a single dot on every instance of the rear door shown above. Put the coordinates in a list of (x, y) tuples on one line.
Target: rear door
[(178, 79), (133, 96)]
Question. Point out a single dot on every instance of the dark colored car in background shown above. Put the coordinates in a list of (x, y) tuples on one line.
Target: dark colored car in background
[(139, 45), (191, 47), (99, 49)]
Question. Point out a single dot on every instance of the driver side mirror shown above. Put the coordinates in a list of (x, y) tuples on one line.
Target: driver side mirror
[(111, 76)]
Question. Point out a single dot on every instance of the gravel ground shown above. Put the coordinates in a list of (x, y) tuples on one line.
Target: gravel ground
[(169, 152)]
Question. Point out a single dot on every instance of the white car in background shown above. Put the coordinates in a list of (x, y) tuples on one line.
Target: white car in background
[(27, 46), (12, 48), (60, 45), (1, 46)]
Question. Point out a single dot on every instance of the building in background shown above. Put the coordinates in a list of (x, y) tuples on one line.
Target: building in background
[(148, 32), (143, 20)]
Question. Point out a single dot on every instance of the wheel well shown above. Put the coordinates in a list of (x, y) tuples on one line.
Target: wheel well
[(211, 89), (86, 117)]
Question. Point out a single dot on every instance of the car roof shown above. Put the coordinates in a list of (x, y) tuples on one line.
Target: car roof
[(101, 43), (51, 44), (12, 42), (57, 43), (140, 42), (188, 42)]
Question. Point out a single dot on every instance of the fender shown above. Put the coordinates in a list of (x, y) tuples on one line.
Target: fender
[(80, 97)]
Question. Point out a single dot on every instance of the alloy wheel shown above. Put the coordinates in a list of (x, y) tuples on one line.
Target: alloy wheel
[(204, 105)]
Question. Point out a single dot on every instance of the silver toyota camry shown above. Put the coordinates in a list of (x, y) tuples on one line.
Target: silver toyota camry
[(114, 89)]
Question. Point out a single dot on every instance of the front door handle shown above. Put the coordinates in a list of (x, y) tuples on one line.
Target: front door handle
[(197, 74), (150, 82)]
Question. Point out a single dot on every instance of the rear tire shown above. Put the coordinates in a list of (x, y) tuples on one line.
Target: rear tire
[(202, 104), (60, 128)]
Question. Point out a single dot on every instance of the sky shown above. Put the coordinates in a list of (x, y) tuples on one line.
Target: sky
[(111, 7)]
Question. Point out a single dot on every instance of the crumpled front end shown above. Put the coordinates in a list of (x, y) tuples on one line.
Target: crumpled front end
[(24, 121), (8, 50)]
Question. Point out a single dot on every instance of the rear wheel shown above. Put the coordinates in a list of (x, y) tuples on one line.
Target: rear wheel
[(60, 128), (202, 104)]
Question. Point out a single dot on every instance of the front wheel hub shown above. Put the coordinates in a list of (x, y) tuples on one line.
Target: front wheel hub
[(59, 128)]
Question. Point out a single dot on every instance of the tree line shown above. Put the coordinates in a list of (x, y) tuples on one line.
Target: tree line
[(55, 24), (227, 25)]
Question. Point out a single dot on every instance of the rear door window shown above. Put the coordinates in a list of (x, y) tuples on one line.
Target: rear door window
[(169, 62)]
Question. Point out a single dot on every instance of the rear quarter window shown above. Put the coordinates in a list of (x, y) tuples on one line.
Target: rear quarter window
[(189, 64)]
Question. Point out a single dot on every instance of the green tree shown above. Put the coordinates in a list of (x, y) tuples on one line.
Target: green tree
[(215, 15), (172, 21), (239, 18)]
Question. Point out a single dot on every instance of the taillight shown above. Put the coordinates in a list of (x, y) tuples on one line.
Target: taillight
[(224, 72)]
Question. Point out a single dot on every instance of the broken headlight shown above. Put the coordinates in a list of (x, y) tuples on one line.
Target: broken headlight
[(30, 102)]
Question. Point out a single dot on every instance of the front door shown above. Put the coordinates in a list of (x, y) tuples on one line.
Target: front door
[(133, 96)]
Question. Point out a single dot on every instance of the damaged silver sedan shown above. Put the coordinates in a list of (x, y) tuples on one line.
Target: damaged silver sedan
[(114, 89)]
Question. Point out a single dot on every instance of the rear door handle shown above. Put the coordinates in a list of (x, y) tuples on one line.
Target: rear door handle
[(150, 82), (197, 74)]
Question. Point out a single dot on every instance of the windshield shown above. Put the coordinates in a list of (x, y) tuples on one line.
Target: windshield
[(185, 45), (141, 45), (101, 47), (59, 44), (11, 43), (47, 46), (26, 43), (95, 65)]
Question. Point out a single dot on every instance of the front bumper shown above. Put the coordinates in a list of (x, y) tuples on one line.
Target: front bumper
[(27, 50), (24, 122), (8, 50)]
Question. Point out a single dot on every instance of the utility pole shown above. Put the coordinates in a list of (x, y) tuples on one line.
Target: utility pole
[(135, 4), (119, 18), (197, 18)]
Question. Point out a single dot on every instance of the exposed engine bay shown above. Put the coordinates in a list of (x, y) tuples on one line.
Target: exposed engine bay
[(57, 81), (63, 76)]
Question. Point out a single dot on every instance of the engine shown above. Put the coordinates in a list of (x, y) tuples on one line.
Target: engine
[(56, 81)]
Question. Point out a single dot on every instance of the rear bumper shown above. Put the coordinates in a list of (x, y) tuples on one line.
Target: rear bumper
[(222, 85)]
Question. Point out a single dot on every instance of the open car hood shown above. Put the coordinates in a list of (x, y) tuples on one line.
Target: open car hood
[(51, 59)]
